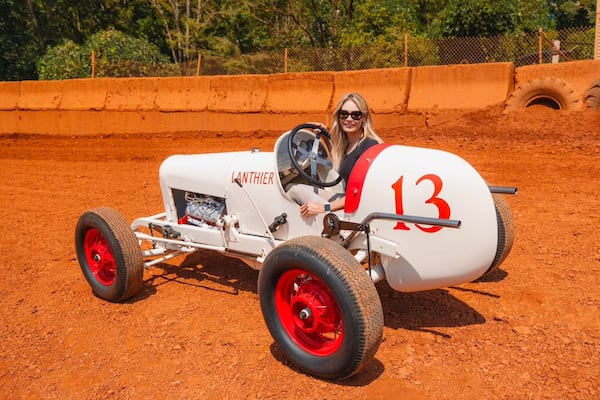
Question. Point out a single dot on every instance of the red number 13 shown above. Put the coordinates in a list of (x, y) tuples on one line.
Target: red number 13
[(441, 204)]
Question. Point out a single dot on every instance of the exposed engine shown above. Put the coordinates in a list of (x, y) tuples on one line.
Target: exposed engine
[(202, 209)]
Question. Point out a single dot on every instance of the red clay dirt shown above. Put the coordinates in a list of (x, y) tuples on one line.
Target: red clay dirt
[(529, 331)]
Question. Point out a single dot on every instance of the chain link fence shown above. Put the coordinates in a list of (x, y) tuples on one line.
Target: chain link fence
[(410, 51)]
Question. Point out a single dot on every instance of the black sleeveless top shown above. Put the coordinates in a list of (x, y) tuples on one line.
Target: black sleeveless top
[(348, 162)]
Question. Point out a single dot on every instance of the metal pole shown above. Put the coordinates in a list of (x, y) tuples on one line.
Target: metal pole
[(555, 51)]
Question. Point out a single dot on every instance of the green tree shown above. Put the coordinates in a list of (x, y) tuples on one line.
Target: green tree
[(29, 27), (302, 23), (18, 46), (380, 21), (76, 20), (187, 25), (470, 18), (117, 54), (573, 13)]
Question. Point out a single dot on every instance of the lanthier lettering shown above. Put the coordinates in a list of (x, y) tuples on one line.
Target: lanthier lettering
[(253, 177)]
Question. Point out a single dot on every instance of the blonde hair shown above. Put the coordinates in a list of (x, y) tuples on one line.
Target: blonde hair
[(339, 139)]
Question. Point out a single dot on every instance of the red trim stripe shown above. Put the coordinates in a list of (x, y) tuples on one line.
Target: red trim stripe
[(358, 175)]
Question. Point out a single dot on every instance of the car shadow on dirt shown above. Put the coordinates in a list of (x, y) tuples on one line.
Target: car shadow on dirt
[(372, 370), (428, 311), (203, 269), (494, 276)]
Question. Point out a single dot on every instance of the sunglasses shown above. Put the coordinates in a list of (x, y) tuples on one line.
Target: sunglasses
[(356, 115)]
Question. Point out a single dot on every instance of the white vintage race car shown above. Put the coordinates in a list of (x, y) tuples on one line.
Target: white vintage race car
[(418, 218)]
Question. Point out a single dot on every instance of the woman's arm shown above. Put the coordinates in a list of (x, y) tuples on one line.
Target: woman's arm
[(311, 208)]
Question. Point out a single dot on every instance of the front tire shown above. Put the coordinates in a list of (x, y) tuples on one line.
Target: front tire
[(321, 307), (109, 254)]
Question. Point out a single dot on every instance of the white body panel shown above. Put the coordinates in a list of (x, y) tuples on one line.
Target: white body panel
[(398, 180), (446, 256), (255, 203)]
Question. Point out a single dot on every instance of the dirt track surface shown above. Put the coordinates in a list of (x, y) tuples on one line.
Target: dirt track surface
[(530, 331)]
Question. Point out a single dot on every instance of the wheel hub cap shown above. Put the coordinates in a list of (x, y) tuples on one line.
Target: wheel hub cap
[(309, 313), (100, 259)]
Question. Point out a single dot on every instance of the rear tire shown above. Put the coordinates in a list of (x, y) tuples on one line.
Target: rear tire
[(506, 231), (109, 254), (321, 307)]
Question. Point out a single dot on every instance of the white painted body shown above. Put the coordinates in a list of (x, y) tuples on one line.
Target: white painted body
[(412, 258), (425, 260)]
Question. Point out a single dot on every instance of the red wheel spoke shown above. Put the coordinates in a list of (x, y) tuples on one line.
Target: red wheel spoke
[(100, 258), (309, 312)]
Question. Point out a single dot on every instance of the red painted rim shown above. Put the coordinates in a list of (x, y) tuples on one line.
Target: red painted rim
[(309, 312), (100, 258)]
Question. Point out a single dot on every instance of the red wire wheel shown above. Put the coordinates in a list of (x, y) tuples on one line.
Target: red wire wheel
[(321, 307), (99, 257), (309, 312), (109, 254)]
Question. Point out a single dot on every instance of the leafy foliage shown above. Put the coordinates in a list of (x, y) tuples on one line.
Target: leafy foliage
[(183, 29), (18, 47), (111, 47), (65, 61), (470, 18), (570, 13)]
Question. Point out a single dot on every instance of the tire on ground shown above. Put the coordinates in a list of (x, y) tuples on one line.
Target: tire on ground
[(592, 96), (320, 306), (547, 91), (109, 254)]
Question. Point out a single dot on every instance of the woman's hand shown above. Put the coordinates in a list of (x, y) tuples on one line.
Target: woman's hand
[(319, 124), (309, 209)]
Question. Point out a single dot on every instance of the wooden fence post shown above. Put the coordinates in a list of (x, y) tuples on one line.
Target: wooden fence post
[(199, 64), (93, 63), (406, 49), (540, 47), (285, 60)]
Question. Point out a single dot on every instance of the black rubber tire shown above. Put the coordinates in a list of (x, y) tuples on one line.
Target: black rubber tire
[(352, 290), (111, 246), (506, 231), (592, 96), (547, 91)]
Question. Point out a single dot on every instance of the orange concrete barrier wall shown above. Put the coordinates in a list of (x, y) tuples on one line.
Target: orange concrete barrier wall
[(9, 97), (254, 103), (386, 91), (578, 74), (460, 86), (246, 103), (83, 94), (39, 95)]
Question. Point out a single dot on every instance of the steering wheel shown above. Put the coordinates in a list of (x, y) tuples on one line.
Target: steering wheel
[(311, 150)]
